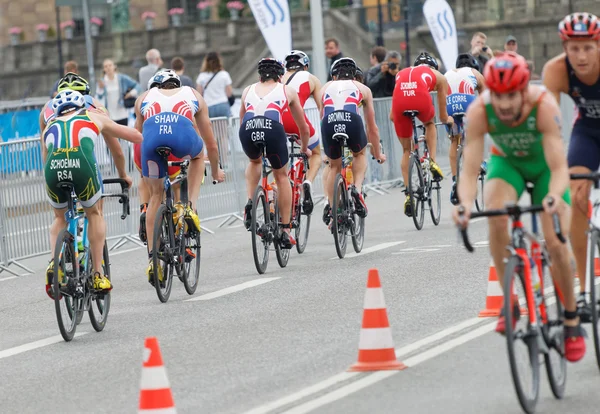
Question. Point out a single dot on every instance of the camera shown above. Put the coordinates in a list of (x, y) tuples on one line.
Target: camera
[(485, 48), (393, 66)]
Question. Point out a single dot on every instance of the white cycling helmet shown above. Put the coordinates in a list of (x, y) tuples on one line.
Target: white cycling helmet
[(296, 58), (164, 76), (67, 99)]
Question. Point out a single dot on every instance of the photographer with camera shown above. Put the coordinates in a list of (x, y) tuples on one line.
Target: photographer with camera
[(480, 50), (381, 78)]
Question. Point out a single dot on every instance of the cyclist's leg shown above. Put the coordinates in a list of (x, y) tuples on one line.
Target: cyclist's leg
[(404, 132), (196, 172), (454, 136), (277, 153), (156, 187), (333, 151), (314, 162), (357, 142)]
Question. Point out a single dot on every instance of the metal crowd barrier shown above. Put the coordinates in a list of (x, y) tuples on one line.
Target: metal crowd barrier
[(25, 215)]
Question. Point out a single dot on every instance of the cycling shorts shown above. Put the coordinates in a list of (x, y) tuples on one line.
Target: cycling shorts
[(291, 128), (584, 147), (167, 130), (262, 130), (536, 172), (422, 102), (137, 159), (345, 122)]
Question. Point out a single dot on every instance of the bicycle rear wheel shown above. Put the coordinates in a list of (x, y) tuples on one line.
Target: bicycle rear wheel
[(594, 290), (100, 302), (283, 255), (163, 251), (435, 202), (526, 374), (66, 305), (358, 232), (479, 199), (191, 261), (459, 162), (303, 228), (416, 190), (259, 230), (340, 214), (555, 361)]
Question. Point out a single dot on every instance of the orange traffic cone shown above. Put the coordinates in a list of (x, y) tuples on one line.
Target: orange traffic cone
[(495, 296), (155, 391), (376, 346)]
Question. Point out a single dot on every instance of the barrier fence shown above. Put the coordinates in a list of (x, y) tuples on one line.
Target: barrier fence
[(25, 215)]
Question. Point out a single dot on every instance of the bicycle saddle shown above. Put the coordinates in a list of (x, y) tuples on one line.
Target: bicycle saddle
[(411, 114), (339, 136), (65, 185), (293, 138), (164, 151)]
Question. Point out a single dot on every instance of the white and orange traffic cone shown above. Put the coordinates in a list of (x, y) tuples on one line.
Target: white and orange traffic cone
[(155, 390), (495, 297), (376, 346)]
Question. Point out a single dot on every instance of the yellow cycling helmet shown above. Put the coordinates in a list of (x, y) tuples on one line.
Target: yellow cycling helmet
[(74, 82)]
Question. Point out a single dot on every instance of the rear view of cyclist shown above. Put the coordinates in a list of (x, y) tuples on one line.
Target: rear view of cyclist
[(462, 84), (68, 143)]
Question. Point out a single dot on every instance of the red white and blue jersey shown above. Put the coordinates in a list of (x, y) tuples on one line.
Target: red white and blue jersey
[(182, 103), (342, 95), (271, 106), (462, 84), (301, 84)]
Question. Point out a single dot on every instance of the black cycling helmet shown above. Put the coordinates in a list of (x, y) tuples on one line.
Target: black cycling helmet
[(467, 60), (344, 67), (269, 68), (74, 82), (359, 75), (426, 59)]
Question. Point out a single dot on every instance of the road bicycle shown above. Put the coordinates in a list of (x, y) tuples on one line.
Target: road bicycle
[(593, 251), (297, 174), (266, 228), (72, 285), (424, 188), (176, 244), (526, 270), (458, 121)]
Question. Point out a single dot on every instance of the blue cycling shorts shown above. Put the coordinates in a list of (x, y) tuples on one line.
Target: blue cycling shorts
[(584, 147)]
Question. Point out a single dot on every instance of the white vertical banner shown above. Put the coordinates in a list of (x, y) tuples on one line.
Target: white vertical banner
[(273, 19), (442, 26)]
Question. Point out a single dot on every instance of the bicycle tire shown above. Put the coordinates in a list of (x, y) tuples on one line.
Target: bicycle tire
[(301, 233), (283, 255), (416, 194), (459, 155), (479, 201), (260, 262), (528, 402), (339, 214), (193, 243), (435, 207), (163, 221), (64, 252), (102, 300), (358, 232), (555, 339), (594, 290)]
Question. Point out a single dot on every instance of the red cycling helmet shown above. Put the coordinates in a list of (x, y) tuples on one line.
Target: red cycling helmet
[(507, 72), (579, 26)]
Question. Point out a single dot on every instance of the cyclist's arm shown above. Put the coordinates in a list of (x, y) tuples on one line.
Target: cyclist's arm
[(205, 127), (243, 103), (114, 129), (369, 114), (555, 77), (320, 97), (316, 83), (139, 119), (42, 128), (98, 105), (549, 124), (298, 115), (441, 86), (475, 129), (480, 80)]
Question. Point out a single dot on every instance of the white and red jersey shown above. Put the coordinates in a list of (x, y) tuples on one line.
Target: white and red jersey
[(461, 81), (301, 84), (183, 103), (271, 106), (342, 95)]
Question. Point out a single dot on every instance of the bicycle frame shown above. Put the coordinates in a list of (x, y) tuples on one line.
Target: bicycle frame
[(72, 217), (298, 168)]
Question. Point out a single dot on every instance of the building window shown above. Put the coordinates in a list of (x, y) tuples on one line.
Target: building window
[(102, 11), (190, 12)]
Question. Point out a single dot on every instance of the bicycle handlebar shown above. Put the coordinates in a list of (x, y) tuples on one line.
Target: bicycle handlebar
[(595, 176), (123, 196), (303, 156)]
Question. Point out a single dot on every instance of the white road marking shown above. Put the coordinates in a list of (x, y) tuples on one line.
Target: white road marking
[(8, 278), (478, 219), (233, 289), (34, 345), (371, 249), (124, 251), (481, 243), (423, 249)]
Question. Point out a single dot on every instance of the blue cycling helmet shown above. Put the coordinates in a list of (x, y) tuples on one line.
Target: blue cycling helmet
[(67, 99)]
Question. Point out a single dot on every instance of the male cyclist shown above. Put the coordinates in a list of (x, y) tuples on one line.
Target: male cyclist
[(68, 143), (341, 98), (306, 85), (261, 114), (173, 116), (577, 73), (524, 124), (462, 84), (412, 92)]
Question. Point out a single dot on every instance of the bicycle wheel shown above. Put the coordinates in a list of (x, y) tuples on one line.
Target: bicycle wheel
[(435, 202), (416, 189), (594, 289), (259, 230), (303, 228), (163, 251), (479, 199), (358, 232), (340, 214), (459, 162), (66, 305), (525, 375), (556, 363), (191, 262), (100, 302), (283, 255)]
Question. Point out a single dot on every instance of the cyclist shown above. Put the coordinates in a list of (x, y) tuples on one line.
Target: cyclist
[(341, 98), (576, 72), (174, 116), (524, 124), (261, 113), (68, 143), (412, 92), (306, 85), (462, 84)]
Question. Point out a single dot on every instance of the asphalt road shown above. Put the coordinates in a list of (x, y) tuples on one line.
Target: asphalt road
[(283, 341)]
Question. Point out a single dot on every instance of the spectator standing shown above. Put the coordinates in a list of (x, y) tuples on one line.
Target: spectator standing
[(153, 66), (214, 83), (381, 79), (70, 66), (377, 56), (510, 44), (178, 65), (333, 53), (117, 91), (480, 50)]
